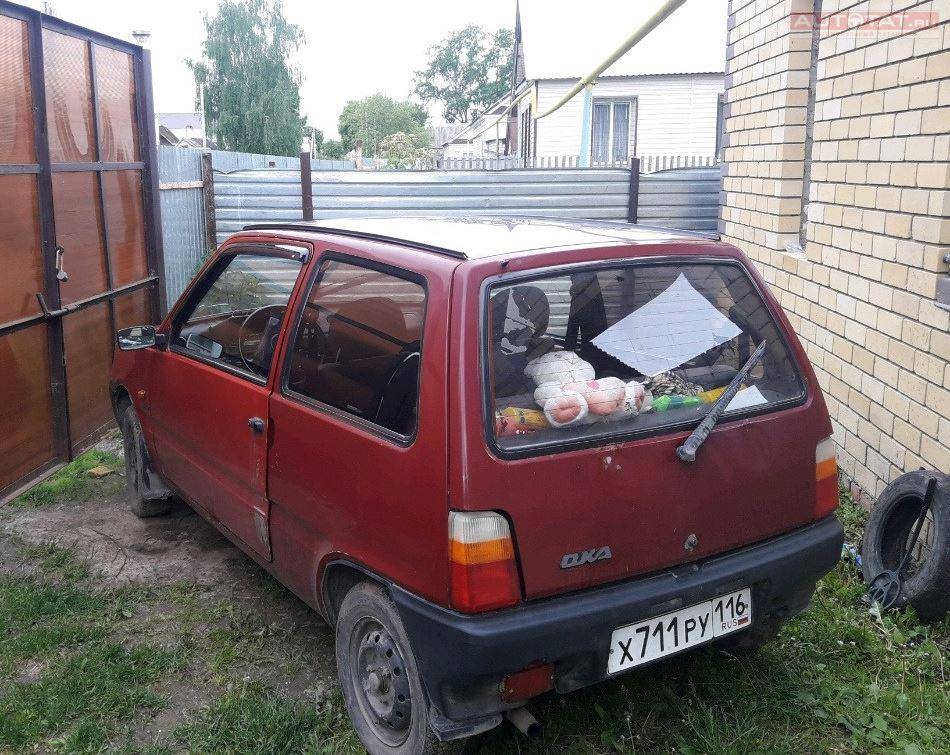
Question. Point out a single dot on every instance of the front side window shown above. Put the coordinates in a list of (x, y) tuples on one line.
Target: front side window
[(236, 321), (628, 349), (358, 345)]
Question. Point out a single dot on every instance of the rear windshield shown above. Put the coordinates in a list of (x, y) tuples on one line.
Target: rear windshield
[(628, 349)]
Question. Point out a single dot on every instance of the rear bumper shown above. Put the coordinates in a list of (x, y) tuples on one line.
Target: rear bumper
[(462, 658)]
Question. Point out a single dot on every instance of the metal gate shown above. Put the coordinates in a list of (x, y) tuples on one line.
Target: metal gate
[(79, 247)]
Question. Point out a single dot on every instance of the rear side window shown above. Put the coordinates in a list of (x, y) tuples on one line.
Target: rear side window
[(358, 345), (628, 349)]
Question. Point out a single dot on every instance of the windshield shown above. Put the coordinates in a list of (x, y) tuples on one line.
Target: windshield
[(628, 349)]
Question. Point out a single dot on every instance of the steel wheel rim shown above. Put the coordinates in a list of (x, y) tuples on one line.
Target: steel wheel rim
[(380, 685)]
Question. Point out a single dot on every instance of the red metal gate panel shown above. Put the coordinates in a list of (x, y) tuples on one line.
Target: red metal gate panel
[(79, 243)]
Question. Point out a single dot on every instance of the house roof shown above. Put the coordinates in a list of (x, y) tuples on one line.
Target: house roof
[(567, 41), (479, 237), (181, 120)]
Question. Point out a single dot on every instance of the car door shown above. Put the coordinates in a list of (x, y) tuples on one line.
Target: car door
[(210, 387)]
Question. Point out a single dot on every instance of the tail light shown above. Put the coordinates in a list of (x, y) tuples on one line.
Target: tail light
[(826, 479), (482, 562)]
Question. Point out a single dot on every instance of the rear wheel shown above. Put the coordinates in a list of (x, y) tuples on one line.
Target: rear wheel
[(379, 676), (136, 468)]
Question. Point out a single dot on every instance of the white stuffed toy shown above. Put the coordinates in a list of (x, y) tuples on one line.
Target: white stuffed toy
[(569, 394), (558, 367)]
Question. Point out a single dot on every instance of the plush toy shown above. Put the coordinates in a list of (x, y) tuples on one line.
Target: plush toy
[(559, 367), (636, 400), (516, 421), (569, 394)]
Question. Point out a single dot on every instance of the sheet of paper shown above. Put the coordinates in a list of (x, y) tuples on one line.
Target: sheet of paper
[(745, 398), (667, 331)]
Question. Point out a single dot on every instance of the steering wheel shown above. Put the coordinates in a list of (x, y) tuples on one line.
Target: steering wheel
[(270, 310), (310, 349)]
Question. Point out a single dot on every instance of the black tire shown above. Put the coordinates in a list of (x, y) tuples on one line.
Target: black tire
[(378, 673), (927, 579), (136, 469)]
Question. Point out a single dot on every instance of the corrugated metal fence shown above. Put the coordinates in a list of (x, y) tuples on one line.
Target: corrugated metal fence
[(183, 216), (684, 199), (255, 188), (572, 193)]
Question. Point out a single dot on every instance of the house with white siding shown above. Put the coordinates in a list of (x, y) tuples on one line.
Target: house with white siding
[(663, 98)]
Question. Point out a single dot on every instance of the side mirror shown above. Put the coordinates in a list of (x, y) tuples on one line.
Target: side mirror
[(138, 337)]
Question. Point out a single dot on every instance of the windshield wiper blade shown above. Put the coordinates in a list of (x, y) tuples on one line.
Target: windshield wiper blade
[(687, 452)]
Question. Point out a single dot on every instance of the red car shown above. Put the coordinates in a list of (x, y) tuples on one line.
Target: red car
[(478, 448)]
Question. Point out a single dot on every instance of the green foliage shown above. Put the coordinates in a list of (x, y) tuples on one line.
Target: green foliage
[(467, 72), (374, 118), (316, 138), (252, 90), (402, 150), (332, 149)]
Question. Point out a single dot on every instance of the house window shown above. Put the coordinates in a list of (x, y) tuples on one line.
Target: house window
[(527, 143), (720, 123), (613, 130)]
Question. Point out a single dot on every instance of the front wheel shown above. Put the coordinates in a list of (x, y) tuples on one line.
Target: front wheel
[(136, 469), (379, 676)]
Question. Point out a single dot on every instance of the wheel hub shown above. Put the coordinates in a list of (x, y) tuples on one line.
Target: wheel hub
[(382, 679)]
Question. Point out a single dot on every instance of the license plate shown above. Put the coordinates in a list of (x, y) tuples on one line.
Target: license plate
[(679, 630)]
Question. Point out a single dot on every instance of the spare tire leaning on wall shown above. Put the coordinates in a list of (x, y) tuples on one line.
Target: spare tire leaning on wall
[(926, 577)]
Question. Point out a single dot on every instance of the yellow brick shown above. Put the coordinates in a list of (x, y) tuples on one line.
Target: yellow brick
[(907, 435), (935, 121), (938, 66), (933, 175), (913, 387), (897, 225), (924, 95)]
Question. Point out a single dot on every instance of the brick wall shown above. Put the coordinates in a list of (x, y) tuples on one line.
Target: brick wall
[(859, 123)]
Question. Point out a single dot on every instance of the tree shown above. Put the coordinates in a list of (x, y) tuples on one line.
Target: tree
[(467, 72), (316, 138), (402, 150), (251, 88), (332, 149), (374, 118)]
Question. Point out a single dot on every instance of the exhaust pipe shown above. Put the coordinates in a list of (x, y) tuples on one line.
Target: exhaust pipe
[(524, 722)]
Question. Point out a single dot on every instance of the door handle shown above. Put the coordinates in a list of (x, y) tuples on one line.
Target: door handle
[(256, 424)]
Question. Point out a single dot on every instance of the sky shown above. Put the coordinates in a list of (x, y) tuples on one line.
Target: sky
[(351, 51)]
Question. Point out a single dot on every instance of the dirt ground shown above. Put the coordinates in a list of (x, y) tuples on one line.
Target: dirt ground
[(202, 592), (153, 636)]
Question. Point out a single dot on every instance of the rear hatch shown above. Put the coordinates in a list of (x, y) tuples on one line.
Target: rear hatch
[(596, 376)]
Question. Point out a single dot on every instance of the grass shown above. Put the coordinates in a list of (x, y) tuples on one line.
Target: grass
[(71, 483), (86, 668), (64, 682), (253, 719), (840, 678)]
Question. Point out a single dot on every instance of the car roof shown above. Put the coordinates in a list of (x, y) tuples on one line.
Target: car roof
[(480, 237)]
